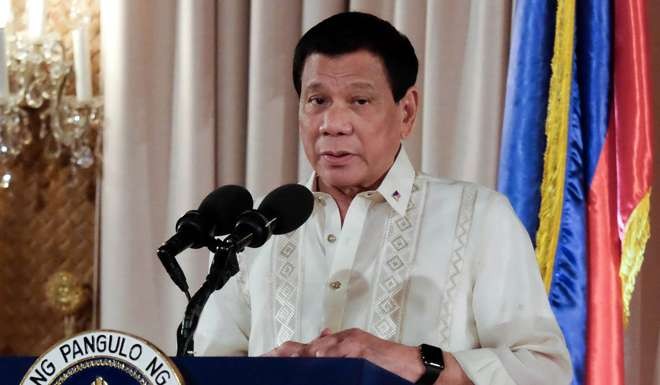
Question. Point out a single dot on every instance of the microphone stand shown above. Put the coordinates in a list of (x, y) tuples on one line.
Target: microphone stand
[(223, 267), (250, 225)]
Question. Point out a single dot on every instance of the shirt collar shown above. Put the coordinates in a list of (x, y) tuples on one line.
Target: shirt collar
[(395, 188)]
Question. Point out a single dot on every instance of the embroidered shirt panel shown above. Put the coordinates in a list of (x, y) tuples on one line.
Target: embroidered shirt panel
[(389, 292), (457, 262)]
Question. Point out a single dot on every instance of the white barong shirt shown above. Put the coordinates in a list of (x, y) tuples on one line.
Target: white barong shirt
[(419, 260)]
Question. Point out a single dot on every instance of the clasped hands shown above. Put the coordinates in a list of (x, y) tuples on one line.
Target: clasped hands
[(356, 343)]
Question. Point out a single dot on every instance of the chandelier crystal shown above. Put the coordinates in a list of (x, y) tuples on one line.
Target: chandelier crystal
[(33, 81)]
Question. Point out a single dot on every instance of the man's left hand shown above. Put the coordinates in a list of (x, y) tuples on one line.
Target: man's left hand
[(356, 343)]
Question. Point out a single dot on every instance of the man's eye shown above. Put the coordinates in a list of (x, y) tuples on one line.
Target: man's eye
[(361, 101), (316, 100)]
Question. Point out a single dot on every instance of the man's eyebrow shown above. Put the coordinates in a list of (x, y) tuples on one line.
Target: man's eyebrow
[(360, 85), (314, 86)]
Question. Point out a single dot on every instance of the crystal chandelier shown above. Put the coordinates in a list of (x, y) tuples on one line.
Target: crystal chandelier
[(32, 89)]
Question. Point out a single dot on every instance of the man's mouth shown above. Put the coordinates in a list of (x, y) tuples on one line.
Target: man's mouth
[(336, 158)]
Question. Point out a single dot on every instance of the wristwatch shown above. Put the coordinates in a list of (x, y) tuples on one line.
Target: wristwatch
[(433, 361)]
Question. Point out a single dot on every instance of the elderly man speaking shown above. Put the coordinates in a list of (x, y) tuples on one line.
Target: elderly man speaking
[(432, 279)]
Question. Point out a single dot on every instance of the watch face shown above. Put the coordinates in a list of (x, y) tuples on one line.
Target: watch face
[(432, 356), (433, 362)]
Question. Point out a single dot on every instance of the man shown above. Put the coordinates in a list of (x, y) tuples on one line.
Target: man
[(402, 269)]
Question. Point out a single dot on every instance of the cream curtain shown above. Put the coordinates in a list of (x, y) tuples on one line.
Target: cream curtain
[(199, 94)]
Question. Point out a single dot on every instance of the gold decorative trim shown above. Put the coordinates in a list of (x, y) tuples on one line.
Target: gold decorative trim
[(78, 367), (636, 234), (556, 129), (64, 293)]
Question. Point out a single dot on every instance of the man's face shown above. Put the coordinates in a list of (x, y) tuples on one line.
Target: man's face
[(349, 124)]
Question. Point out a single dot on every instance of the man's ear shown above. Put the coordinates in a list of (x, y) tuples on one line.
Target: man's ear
[(408, 104)]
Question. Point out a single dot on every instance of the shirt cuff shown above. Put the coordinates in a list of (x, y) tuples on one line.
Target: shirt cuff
[(483, 367)]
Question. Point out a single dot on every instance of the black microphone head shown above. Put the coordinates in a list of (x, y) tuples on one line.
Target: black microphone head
[(223, 206), (291, 204)]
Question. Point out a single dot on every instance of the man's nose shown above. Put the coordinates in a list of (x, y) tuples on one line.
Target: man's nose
[(336, 121)]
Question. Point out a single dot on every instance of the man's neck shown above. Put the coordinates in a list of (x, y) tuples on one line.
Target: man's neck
[(344, 195)]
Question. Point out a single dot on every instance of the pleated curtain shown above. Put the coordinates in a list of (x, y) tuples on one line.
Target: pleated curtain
[(198, 94)]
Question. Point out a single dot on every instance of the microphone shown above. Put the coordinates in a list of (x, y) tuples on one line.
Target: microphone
[(283, 210), (216, 215)]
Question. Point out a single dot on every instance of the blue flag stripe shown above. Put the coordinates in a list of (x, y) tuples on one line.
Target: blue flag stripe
[(523, 136)]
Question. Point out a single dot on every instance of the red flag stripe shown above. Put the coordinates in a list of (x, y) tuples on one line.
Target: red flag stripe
[(631, 106), (605, 324), (622, 179)]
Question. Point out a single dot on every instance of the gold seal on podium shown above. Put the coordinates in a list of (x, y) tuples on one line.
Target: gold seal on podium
[(103, 357)]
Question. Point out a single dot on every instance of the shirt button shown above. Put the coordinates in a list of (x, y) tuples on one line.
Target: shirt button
[(335, 285), (331, 238)]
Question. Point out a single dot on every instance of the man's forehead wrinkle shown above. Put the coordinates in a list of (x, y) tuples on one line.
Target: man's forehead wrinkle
[(317, 84), (347, 71)]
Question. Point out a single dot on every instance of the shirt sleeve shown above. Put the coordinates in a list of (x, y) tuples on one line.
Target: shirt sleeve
[(224, 326), (520, 340)]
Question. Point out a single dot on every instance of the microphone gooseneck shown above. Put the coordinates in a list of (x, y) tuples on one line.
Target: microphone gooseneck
[(216, 215)]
